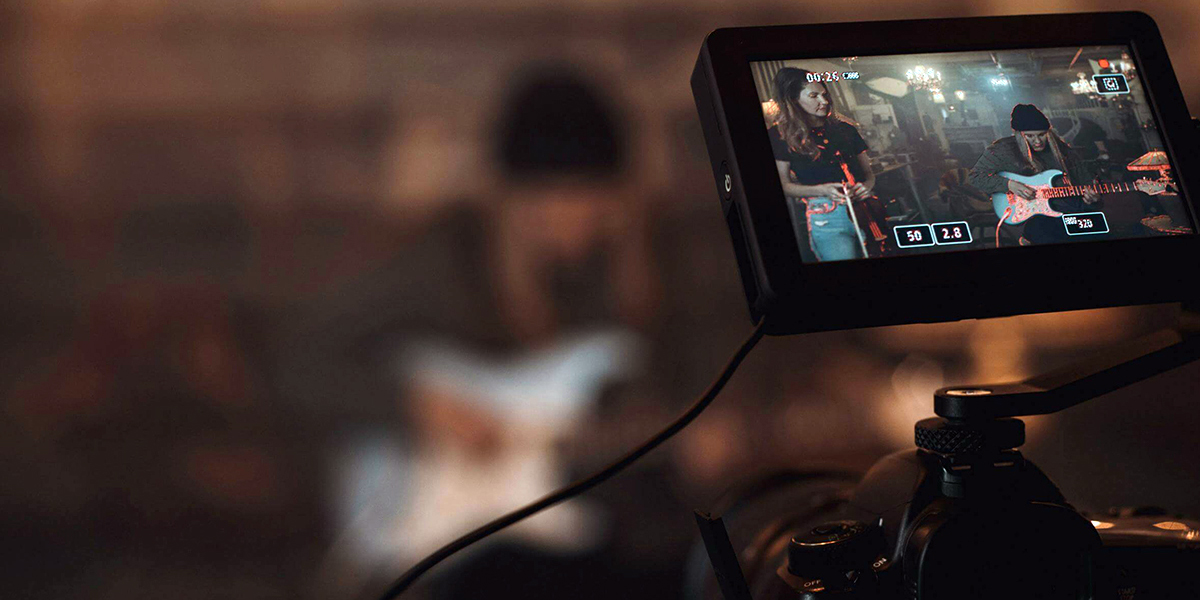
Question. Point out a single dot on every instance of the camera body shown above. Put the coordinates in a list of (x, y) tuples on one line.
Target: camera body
[(965, 515)]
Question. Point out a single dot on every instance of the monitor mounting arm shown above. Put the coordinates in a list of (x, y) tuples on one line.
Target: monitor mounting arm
[(1077, 383)]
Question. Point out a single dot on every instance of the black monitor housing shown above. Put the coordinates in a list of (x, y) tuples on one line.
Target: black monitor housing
[(799, 296)]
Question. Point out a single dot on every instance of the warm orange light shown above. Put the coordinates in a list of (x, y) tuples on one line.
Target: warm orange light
[(1103, 63), (1171, 526), (1102, 525)]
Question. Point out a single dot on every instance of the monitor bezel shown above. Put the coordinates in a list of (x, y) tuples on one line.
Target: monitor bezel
[(800, 297)]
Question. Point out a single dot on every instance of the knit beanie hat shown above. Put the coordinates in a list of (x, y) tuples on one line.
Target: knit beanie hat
[(1027, 117)]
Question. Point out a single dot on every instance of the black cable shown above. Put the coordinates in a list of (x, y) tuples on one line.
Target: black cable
[(584, 484)]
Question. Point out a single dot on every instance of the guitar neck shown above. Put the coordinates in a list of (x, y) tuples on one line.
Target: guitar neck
[(1078, 190)]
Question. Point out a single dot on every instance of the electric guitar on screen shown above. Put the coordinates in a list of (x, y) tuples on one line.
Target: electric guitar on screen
[(1013, 209)]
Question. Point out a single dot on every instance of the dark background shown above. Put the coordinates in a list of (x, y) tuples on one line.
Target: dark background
[(282, 310)]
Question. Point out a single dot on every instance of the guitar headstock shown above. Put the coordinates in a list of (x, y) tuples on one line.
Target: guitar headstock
[(1150, 186)]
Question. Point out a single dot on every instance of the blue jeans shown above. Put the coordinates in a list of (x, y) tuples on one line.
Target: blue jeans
[(830, 231)]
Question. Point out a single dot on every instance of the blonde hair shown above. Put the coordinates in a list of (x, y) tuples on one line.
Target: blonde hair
[(1056, 145)]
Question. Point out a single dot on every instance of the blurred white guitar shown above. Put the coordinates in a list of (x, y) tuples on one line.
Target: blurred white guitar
[(399, 502)]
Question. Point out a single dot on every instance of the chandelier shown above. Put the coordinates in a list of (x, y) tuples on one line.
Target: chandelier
[(1083, 86), (1125, 66), (921, 78)]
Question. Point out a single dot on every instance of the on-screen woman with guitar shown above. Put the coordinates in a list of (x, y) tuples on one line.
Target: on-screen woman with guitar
[(823, 164), (1034, 149)]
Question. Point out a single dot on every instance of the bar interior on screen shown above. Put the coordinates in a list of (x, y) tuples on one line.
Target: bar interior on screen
[(890, 155)]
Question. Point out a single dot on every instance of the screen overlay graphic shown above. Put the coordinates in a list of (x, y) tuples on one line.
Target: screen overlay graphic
[(890, 155)]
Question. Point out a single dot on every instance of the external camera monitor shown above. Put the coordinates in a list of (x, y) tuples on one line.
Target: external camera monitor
[(917, 171)]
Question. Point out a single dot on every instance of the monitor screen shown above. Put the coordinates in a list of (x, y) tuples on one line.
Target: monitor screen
[(890, 155)]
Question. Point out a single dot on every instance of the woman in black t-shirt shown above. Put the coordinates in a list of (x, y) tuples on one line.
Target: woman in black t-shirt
[(810, 142)]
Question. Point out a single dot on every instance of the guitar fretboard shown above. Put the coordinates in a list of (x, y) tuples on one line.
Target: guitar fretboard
[(1077, 190)]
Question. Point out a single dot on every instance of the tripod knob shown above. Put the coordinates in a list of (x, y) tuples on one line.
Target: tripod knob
[(945, 436)]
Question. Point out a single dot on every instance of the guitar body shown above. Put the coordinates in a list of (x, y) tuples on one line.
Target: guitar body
[(1019, 209)]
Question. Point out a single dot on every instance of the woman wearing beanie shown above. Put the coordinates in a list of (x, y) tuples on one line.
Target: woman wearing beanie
[(1033, 148)]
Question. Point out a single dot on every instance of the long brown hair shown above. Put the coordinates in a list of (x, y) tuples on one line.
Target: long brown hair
[(1056, 145), (789, 82)]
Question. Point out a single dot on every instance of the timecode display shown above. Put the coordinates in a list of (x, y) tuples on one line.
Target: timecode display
[(913, 236), (1085, 223), (831, 76)]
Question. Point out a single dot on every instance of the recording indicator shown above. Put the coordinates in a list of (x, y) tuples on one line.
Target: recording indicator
[(1085, 223), (948, 234), (913, 236)]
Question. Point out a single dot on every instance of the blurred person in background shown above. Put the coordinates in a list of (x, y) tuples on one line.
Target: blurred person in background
[(486, 401), (559, 245), (570, 242)]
